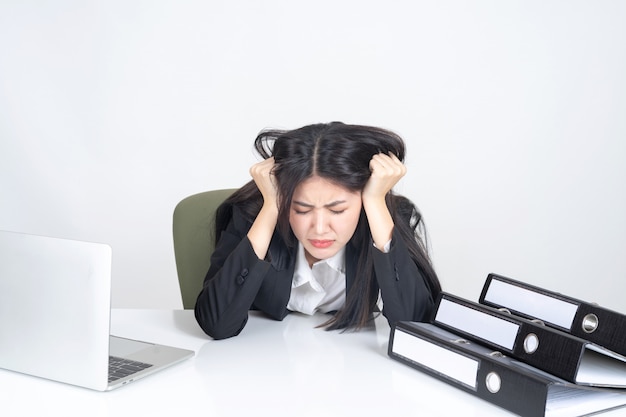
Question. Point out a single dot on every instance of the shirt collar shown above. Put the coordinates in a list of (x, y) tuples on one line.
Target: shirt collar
[(302, 273)]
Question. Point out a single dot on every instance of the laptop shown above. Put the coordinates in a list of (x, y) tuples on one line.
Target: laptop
[(55, 304)]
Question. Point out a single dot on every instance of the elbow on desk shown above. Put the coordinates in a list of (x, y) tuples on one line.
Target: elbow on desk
[(418, 311), (218, 329)]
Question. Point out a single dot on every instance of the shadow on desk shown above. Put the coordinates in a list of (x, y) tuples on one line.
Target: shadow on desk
[(184, 321)]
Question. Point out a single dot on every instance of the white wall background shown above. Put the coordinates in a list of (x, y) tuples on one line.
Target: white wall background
[(514, 113)]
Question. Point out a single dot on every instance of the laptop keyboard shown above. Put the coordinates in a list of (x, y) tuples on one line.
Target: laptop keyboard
[(120, 367)]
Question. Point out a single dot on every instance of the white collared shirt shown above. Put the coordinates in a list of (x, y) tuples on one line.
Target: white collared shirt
[(321, 287)]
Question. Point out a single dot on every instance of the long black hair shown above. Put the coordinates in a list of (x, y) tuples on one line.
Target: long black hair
[(340, 153)]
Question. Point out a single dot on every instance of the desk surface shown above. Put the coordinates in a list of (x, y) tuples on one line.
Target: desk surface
[(270, 369)]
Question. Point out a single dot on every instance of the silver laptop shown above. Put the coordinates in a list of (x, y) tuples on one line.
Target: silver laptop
[(55, 301)]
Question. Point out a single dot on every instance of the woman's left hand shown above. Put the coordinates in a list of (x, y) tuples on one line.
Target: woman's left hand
[(386, 170)]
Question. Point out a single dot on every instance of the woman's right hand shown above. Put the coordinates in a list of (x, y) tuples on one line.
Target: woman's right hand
[(262, 174)]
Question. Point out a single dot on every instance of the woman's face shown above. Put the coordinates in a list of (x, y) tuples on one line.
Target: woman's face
[(323, 216)]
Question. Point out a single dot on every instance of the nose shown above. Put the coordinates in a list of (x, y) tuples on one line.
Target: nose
[(320, 222)]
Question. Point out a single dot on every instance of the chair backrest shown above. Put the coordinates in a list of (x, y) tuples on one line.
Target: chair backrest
[(194, 240)]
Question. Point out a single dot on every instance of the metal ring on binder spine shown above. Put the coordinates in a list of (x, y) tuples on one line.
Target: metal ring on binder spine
[(590, 323), (531, 343), (493, 382)]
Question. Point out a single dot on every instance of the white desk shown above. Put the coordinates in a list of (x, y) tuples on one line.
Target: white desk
[(272, 368)]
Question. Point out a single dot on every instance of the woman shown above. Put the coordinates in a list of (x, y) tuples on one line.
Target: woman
[(318, 229)]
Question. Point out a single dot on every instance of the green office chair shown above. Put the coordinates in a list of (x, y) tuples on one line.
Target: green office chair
[(194, 237)]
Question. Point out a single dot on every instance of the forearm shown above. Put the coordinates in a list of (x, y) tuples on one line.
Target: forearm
[(380, 221), (403, 287), (229, 290), (260, 234), (232, 281)]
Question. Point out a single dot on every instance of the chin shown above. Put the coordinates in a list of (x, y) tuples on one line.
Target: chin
[(321, 254)]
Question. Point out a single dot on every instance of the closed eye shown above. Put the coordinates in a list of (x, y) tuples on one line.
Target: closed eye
[(308, 207)]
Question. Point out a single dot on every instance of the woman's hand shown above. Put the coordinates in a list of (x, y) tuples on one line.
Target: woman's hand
[(387, 170), (262, 175)]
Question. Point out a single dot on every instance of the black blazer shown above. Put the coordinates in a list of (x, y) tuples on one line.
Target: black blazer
[(238, 281)]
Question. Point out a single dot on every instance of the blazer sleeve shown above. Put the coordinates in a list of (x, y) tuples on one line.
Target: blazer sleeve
[(404, 291), (232, 282)]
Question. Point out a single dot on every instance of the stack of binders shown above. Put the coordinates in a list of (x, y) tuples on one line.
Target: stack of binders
[(528, 350)]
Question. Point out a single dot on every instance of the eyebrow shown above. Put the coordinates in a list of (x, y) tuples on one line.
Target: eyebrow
[(331, 204)]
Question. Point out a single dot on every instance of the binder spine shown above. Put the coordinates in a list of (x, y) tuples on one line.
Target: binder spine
[(601, 326), (541, 347), (497, 381), (517, 393), (534, 344), (590, 322)]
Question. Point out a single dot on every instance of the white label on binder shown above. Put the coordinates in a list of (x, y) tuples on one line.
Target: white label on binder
[(485, 326), (446, 362), (534, 304)]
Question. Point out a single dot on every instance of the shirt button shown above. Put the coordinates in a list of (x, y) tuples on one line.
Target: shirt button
[(240, 280)]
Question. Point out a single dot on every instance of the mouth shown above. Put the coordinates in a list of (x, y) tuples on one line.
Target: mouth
[(321, 244)]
